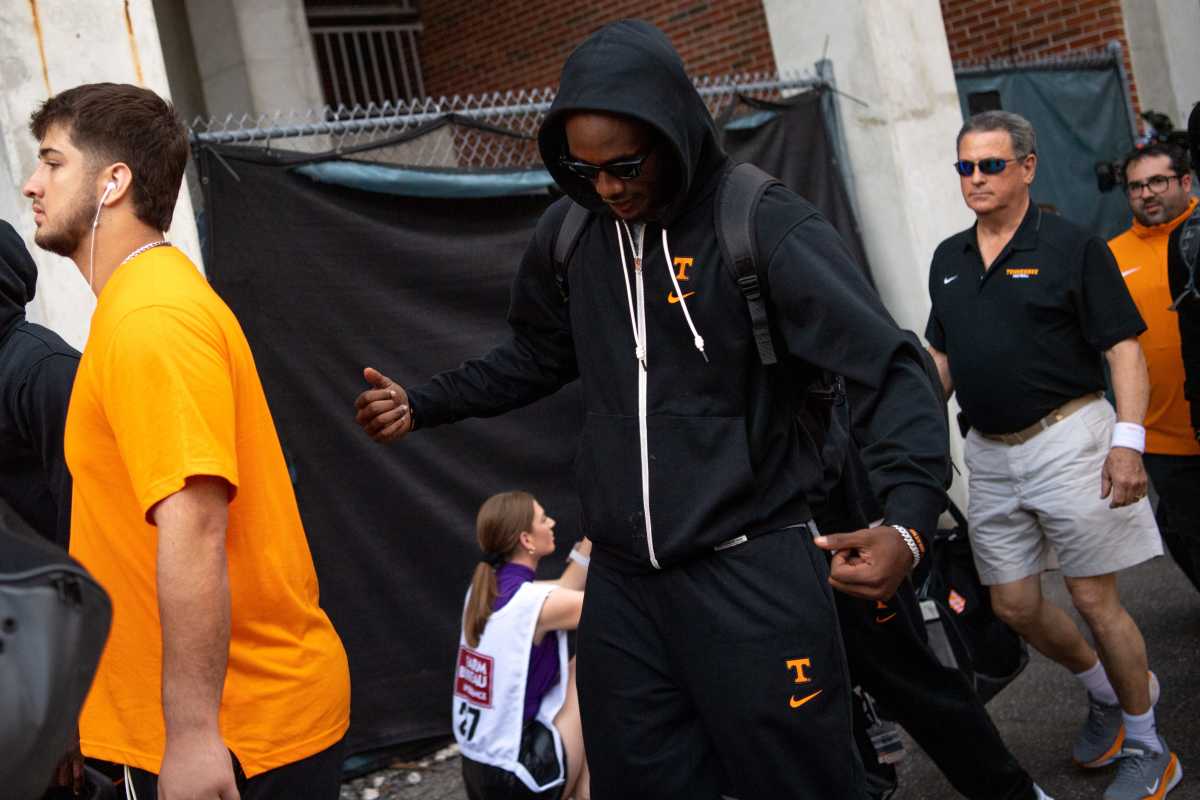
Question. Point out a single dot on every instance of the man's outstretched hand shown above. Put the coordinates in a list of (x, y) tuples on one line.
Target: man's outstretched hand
[(870, 563), (382, 410)]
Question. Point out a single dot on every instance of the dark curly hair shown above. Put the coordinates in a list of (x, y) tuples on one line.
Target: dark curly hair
[(1180, 162)]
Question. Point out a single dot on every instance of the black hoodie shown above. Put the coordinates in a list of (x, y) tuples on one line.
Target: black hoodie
[(37, 370), (704, 440)]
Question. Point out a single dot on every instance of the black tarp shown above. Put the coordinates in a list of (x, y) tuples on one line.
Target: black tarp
[(792, 141), (326, 279)]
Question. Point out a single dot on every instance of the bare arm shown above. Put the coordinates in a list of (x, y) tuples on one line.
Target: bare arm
[(943, 368), (194, 612), (1131, 381), (560, 612), (1123, 475), (575, 574)]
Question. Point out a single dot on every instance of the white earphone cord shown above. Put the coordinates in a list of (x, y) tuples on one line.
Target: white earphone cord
[(95, 222)]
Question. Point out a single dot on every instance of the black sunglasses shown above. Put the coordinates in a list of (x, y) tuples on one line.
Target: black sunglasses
[(621, 170), (988, 166)]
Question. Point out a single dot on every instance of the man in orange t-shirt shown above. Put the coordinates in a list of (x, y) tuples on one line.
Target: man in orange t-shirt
[(222, 677), (1158, 184)]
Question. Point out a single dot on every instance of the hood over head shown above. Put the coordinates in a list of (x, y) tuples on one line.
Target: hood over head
[(630, 68), (18, 278)]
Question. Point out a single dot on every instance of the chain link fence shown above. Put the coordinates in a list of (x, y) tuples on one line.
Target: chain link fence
[(494, 131), (489, 131)]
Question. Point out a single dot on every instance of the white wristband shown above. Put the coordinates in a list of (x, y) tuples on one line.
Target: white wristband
[(579, 558), (1129, 434)]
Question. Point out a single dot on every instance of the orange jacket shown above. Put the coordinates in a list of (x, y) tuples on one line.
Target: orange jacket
[(1141, 253)]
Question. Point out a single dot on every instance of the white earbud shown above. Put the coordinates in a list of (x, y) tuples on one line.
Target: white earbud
[(109, 188)]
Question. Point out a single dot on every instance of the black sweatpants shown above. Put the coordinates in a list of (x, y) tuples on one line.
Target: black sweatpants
[(721, 676), (889, 658), (1176, 480), (318, 777)]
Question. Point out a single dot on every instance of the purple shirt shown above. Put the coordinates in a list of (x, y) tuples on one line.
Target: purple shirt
[(543, 658)]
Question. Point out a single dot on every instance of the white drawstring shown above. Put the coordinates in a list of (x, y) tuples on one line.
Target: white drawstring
[(697, 339), (636, 320), (130, 792)]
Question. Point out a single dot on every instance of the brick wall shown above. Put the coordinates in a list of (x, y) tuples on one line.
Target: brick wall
[(981, 29), (469, 46)]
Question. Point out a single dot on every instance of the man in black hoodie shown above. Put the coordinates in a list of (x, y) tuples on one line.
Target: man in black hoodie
[(709, 661), (1181, 277), (37, 370)]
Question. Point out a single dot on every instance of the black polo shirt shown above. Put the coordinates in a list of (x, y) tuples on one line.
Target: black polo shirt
[(1026, 335)]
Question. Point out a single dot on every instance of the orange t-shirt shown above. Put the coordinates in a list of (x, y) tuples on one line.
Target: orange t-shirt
[(167, 389), (1141, 253)]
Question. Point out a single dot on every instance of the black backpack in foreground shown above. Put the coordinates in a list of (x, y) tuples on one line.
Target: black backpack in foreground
[(963, 630), (54, 621)]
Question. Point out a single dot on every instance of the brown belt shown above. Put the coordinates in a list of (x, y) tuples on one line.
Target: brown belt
[(1053, 418)]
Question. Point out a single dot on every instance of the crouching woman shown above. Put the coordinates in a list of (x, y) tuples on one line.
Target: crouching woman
[(515, 707)]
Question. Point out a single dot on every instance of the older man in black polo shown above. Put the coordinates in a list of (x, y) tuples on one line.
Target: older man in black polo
[(1026, 307)]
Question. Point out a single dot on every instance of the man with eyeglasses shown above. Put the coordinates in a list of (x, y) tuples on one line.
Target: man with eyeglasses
[(1158, 183), (709, 660), (1026, 307)]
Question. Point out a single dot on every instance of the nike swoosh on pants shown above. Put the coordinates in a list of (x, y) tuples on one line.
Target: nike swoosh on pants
[(797, 703)]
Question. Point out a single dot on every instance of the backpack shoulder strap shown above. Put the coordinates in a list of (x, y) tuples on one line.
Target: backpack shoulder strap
[(737, 201), (1189, 248), (564, 243)]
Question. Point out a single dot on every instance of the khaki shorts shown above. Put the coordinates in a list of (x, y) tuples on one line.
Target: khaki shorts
[(1029, 499)]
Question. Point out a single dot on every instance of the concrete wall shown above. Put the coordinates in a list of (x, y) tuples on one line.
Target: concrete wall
[(1164, 44), (179, 56), (47, 46), (901, 144), (254, 56)]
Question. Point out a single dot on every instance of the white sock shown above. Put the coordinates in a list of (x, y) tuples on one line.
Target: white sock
[(1142, 729), (1095, 680)]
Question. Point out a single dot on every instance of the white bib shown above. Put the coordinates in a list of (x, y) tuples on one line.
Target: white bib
[(489, 686)]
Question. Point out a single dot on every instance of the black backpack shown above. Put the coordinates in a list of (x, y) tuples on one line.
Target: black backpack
[(963, 630), (1189, 249), (54, 621)]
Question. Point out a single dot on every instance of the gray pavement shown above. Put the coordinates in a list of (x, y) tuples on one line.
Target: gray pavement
[(1038, 715)]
